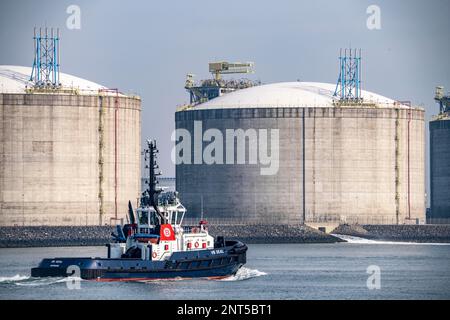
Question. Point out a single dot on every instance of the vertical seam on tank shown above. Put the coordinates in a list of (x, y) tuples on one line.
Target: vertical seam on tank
[(303, 155), (397, 165)]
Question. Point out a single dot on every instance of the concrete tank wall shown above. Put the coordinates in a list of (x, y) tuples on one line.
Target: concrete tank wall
[(355, 162), (440, 168), (50, 173)]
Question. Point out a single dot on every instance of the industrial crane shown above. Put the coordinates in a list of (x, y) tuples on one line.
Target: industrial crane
[(222, 67), (444, 101), (211, 88)]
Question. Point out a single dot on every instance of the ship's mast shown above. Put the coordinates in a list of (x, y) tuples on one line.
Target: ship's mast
[(151, 194)]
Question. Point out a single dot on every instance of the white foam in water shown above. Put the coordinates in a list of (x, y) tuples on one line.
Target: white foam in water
[(162, 280), (34, 282), (15, 278), (244, 274), (358, 240), (38, 282)]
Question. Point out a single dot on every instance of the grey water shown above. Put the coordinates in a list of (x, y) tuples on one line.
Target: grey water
[(273, 271)]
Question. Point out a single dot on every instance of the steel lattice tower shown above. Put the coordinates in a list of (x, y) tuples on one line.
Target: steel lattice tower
[(45, 71), (348, 87)]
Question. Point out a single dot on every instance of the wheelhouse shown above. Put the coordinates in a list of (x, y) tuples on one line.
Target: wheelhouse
[(147, 217)]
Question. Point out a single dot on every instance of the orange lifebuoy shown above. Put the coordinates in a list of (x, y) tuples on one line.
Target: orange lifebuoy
[(196, 244), (154, 254)]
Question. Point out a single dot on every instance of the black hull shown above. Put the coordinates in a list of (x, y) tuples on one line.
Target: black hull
[(211, 263)]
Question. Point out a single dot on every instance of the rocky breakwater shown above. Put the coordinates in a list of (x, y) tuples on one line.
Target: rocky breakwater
[(273, 234), (55, 236)]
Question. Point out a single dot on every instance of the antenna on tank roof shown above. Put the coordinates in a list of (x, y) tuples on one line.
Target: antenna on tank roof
[(45, 70), (348, 86)]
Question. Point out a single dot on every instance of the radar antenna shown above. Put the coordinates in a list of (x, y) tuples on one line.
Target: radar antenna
[(150, 195)]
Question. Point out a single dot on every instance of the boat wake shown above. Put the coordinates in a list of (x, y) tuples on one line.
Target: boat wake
[(20, 280), (161, 280), (35, 282), (358, 240), (244, 274), (15, 278)]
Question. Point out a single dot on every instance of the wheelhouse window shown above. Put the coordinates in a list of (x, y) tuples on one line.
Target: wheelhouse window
[(143, 217), (154, 220), (174, 217), (180, 215)]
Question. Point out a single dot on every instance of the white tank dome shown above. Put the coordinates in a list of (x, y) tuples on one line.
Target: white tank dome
[(287, 94), (14, 79)]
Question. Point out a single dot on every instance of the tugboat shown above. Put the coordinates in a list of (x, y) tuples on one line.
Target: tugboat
[(154, 244)]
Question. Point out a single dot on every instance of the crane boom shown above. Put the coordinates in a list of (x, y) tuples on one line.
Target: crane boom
[(223, 67)]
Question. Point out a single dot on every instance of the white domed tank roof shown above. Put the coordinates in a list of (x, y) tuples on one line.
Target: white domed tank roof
[(287, 94), (14, 79)]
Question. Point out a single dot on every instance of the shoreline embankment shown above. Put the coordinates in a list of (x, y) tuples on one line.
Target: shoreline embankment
[(429, 233), (60, 236)]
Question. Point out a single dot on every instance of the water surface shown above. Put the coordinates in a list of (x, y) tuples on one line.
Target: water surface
[(273, 271)]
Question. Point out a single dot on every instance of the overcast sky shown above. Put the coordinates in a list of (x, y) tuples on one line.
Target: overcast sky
[(148, 47)]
